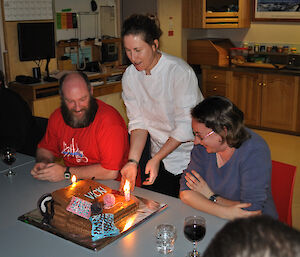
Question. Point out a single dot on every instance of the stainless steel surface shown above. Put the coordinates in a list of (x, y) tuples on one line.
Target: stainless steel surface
[(21, 193)]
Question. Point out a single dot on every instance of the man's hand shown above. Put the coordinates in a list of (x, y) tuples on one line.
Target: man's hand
[(152, 168), (52, 172), (128, 172)]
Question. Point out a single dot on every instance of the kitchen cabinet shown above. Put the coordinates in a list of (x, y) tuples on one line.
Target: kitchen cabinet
[(267, 100), (214, 82), (216, 13)]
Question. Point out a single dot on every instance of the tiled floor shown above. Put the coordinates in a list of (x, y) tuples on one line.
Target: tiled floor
[(286, 148)]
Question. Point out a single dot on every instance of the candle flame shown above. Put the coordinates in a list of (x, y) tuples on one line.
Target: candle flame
[(73, 179), (126, 187)]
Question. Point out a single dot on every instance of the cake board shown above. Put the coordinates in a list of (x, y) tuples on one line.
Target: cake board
[(147, 208)]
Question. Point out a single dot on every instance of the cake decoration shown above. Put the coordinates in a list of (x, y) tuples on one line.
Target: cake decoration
[(80, 207), (109, 201), (103, 226), (45, 205), (89, 209)]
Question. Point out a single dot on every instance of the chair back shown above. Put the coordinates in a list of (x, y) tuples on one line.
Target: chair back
[(282, 182)]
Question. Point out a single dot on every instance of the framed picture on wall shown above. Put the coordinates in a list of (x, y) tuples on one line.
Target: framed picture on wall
[(276, 10)]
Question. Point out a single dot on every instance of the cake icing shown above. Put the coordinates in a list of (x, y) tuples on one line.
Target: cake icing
[(86, 207)]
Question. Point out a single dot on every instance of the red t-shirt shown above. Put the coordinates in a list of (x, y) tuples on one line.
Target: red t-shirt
[(104, 141)]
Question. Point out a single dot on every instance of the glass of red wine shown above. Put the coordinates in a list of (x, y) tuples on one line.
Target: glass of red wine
[(8, 156), (194, 230)]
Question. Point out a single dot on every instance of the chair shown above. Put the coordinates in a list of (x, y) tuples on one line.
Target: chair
[(282, 182)]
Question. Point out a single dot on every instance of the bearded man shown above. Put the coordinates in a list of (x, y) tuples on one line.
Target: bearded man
[(89, 135)]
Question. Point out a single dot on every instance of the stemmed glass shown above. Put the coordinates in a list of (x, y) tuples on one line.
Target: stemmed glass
[(8, 156), (194, 230)]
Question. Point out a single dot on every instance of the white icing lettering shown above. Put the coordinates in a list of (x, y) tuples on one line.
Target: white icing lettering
[(95, 193)]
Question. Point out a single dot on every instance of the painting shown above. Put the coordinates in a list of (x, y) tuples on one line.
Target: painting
[(276, 10)]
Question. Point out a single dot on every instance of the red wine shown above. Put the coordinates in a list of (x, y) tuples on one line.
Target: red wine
[(9, 160), (194, 232)]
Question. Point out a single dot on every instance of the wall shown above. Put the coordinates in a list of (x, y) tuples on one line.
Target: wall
[(92, 25), (266, 33), (166, 9), (91, 20), (260, 32)]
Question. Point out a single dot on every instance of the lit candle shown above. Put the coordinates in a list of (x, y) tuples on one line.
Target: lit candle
[(74, 180), (126, 189)]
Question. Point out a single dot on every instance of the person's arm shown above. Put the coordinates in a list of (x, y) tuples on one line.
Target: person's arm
[(138, 138), (200, 202), (44, 155), (55, 172)]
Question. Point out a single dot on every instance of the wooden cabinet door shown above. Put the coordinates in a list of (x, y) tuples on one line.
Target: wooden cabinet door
[(195, 14), (245, 93), (279, 102), (192, 13)]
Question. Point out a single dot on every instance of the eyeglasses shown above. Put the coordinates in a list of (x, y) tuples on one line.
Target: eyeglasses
[(196, 134)]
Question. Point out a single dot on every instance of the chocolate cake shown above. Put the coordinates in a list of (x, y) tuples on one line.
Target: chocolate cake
[(77, 206)]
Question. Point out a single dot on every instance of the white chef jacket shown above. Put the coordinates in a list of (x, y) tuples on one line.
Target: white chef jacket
[(161, 103)]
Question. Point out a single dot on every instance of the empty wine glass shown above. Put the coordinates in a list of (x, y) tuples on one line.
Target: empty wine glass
[(8, 156), (194, 230)]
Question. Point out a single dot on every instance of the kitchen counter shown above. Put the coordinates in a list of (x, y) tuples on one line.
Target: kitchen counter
[(282, 71)]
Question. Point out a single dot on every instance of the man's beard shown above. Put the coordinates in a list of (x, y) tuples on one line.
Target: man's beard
[(87, 119)]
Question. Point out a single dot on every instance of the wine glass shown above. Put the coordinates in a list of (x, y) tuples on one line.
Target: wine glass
[(8, 156), (194, 230)]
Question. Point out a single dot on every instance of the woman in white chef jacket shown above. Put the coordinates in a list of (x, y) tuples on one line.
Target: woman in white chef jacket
[(159, 91)]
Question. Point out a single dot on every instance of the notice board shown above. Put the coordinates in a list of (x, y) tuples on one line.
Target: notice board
[(22, 10)]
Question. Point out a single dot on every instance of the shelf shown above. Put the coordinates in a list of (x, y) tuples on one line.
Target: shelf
[(260, 65)]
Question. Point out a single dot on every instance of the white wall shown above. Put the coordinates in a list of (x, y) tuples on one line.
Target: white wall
[(90, 26)]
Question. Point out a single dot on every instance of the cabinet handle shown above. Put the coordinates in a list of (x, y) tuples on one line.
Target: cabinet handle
[(215, 77), (259, 83), (264, 84), (215, 89)]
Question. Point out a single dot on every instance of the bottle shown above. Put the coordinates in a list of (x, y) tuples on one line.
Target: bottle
[(293, 50)]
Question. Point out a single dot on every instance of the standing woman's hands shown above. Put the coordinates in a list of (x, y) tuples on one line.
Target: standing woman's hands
[(152, 168), (129, 172)]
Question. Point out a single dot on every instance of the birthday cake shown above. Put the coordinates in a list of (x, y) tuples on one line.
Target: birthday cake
[(87, 208)]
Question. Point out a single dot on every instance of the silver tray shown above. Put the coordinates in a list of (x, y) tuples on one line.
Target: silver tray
[(147, 208)]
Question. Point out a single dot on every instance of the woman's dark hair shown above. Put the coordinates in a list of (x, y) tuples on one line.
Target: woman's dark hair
[(145, 25), (223, 117)]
